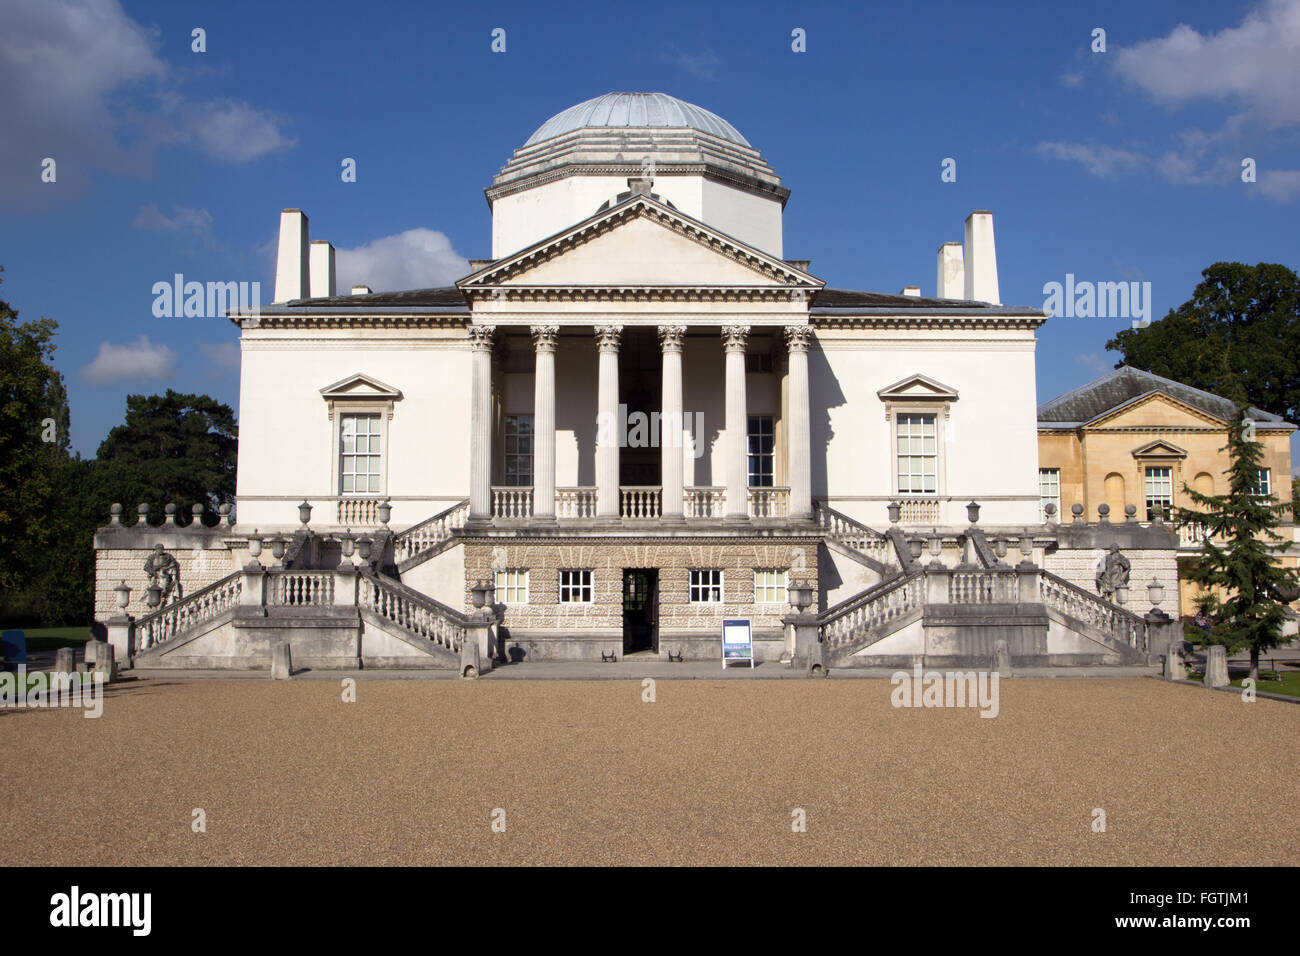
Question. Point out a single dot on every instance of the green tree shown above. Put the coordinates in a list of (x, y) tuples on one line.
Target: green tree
[(1241, 327), (172, 449), (1242, 565), (33, 441)]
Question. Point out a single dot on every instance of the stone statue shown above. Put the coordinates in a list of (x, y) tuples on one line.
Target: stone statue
[(165, 571), (1113, 573)]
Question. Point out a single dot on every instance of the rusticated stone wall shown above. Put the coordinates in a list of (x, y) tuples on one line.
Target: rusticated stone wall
[(1079, 566), (204, 556), (674, 558)]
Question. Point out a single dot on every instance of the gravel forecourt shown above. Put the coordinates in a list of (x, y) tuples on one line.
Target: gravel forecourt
[(286, 772)]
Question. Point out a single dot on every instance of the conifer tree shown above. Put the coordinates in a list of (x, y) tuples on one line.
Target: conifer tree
[(1245, 588)]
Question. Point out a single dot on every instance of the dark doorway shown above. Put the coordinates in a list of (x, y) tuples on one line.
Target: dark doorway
[(640, 610), (640, 385)]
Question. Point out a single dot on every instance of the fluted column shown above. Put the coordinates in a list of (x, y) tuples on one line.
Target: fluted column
[(670, 423), (799, 431), (607, 437), (544, 337), (737, 469), (480, 418)]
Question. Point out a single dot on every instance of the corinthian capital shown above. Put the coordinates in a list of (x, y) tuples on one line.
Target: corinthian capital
[(544, 337), (608, 336), (798, 337), (671, 337), (734, 337), (481, 336)]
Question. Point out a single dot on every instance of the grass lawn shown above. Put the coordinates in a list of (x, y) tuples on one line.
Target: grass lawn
[(1283, 681), (52, 638)]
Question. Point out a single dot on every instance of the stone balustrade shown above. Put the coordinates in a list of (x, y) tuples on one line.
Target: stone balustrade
[(919, 510), (639, 501), (357, 512), (703, 501), (300, 588), (575, 502), (430, 533), (512, 502), (769, 502)]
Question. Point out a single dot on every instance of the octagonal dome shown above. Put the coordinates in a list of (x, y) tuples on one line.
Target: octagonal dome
[(636, 110)]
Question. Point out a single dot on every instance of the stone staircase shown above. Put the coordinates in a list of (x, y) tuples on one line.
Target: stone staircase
[(857, 541), (430, 537), (958, 614)]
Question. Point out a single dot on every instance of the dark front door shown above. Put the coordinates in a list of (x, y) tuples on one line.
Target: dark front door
[(640, 610)]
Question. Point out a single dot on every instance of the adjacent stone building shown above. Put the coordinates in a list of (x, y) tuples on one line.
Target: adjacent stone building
[(1131, 442)]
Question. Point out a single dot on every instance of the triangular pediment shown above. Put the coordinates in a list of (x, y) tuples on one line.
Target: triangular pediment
[(916, 387), (1155, 409), (1160, 449), (640, 243), (360, 386)]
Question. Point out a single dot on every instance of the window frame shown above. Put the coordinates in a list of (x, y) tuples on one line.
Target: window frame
[(769, 455), (503, 591), (1264, 486), (1043, 500), (698, 591), (507, 454), (783, 587), (898, 455), (379, 434), (566, 589), (359, 394), (1148, 498)]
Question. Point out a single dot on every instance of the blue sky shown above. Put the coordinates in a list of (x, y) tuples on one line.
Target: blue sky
[(1115, 166)]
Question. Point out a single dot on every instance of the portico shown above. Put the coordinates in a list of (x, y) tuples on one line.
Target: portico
[(737, 495)]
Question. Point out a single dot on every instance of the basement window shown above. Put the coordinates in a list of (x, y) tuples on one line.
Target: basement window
[(575, 587), (706, 586)]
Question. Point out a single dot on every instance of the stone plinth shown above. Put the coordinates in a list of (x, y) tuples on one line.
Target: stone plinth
[(1216, 666)]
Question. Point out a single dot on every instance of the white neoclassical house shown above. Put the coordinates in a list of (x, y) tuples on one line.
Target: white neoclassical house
[(635, 420)]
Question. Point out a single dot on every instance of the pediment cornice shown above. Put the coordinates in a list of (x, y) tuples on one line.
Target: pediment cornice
[(505, 277)]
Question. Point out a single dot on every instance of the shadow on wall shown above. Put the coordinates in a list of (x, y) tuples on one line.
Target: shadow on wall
[(828, 579), (824, 394)]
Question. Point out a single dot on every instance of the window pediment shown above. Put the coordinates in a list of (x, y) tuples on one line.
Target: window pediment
[(362, 393), (917, 387), (1160, 449)]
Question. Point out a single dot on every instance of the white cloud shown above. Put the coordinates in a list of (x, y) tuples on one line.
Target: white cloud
[(414, 259), (702, 64), (151, 219), (231, 131), (1095, 363), (1281, 184), (224, 355), (1101, 161), (1072, 79), (83, 85), (131, 362), (1253, 67), (1255, 64)]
